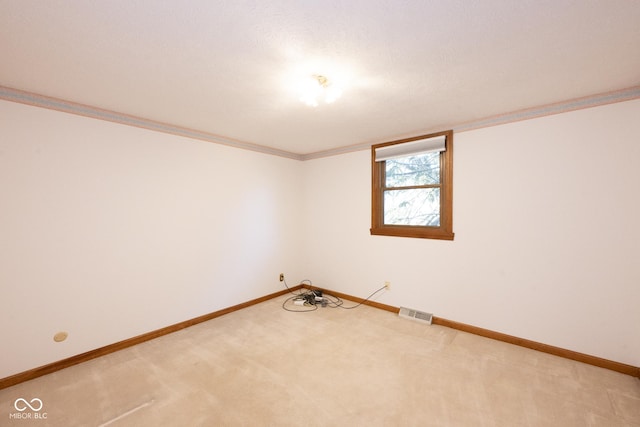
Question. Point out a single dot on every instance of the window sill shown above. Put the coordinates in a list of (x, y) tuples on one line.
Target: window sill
[(416, 232)]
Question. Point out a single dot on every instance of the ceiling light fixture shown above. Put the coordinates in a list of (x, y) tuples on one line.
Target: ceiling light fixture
[(316, 88)]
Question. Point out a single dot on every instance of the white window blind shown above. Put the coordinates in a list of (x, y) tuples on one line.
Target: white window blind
[(412, 148)]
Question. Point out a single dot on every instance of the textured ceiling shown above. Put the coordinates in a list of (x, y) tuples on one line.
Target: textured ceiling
[(227, 68)]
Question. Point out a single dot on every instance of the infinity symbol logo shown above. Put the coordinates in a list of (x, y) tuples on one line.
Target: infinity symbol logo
[(25, 404)]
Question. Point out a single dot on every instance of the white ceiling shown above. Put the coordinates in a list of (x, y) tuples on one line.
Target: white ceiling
[(226, 67)]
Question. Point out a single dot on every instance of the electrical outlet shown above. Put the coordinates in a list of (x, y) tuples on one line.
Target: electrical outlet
[(282, 277), (387, 285)]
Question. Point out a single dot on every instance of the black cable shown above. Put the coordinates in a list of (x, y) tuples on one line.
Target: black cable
[(289, 289), (332, 301), (284, 305), (361, 302), (303, 292)]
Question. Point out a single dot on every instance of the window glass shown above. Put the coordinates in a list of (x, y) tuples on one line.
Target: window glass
[(419, 206), (422, 169)]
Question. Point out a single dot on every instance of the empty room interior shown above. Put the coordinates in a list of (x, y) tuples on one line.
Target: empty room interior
[(219, 213)]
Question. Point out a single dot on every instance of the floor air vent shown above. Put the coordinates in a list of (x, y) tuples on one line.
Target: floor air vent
[(420, 316)]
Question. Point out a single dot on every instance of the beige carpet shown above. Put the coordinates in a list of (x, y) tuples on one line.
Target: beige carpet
[(263, 366)]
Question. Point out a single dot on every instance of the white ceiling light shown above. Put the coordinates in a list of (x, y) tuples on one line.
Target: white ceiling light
[(316, 88)]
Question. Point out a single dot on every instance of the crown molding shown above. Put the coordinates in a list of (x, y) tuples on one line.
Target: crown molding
[(29, 98), (501, 119), (552, 109), (36, 100)]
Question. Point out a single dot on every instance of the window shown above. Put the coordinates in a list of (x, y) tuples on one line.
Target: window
[(412, 187)]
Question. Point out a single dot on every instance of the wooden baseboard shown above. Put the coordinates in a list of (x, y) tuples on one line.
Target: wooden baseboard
[(111, 348), (80, 358), (545, 348), (358, 300)]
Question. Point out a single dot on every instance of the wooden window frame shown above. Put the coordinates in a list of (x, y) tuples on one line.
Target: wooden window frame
[(445, 230)]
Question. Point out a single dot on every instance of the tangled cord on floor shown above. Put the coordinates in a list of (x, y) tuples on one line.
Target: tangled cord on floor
[(308, 295)]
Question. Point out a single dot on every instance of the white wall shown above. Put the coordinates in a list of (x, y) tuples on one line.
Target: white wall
[(109, 231), (547, 223)]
